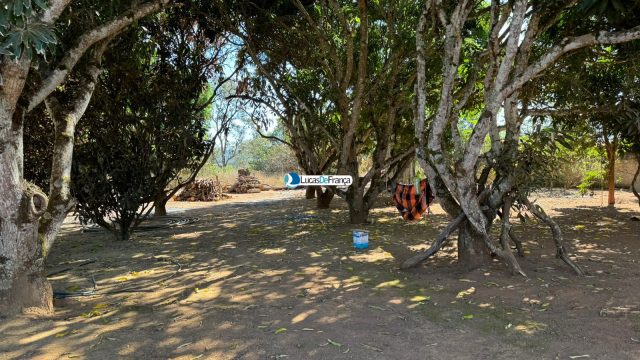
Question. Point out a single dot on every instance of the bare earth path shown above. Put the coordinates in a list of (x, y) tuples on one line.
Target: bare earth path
[(265, 276)]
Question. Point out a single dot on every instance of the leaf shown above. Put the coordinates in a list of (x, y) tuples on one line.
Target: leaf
[(41, 4), (420, 298), (100, 306), (371, 347), (467, 292), (337, 344), (467, 317), (280, 330)]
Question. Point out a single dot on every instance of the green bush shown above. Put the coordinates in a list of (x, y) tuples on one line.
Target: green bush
[(590, 179)]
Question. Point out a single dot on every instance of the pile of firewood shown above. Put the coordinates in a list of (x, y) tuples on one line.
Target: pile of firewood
[(247, 183), (202, 190)]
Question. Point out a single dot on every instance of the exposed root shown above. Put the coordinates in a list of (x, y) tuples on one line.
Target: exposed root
[(558, 239), (437, 244), (516, 240), (512, 235), (504, 253)]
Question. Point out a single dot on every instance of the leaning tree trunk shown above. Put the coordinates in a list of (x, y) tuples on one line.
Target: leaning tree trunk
[(66, 117)]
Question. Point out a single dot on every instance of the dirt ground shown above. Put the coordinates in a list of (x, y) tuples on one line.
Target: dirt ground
[(266, 276)]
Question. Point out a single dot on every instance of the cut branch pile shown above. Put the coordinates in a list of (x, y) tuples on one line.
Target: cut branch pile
[(247, 183), (202, 190)]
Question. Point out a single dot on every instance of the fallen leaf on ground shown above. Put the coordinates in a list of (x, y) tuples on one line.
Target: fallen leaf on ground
[(334, 343), (467, 292), (371, 348)]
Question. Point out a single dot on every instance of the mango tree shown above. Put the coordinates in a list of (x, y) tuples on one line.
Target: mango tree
[(29, 219), (490, 53)]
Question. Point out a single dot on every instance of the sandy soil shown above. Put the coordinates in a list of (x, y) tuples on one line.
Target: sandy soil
[(266, 276)]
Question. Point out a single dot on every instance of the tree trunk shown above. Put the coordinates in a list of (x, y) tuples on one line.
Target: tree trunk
[(160, 205), (22, 281), (611, 148), (635, 183), (324, 197), (358, 208), (310, 192), (472, 252), (65, 118), (611, 181)]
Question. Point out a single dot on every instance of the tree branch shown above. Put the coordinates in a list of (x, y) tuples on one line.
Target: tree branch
[(566, 46), (85, 41), (53, 12)]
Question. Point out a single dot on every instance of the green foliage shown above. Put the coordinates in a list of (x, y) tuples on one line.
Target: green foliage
[(38, 147), (591, 178), (20, 30), (266, 156), (145, 125)]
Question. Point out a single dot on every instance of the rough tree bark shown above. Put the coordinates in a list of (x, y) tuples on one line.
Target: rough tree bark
[(611, 147), (65, 118), (22, 280), (22, 205), (507, 64)]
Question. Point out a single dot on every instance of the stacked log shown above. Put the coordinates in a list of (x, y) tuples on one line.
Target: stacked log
[(202, 190), (247, 183)]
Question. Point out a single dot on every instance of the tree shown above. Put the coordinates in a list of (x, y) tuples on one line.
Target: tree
[(505, 46), (606, 79), (145, 132), (281, 87), (357, 54), (266, 155), (228, 118), (26, 35), (306, 123)]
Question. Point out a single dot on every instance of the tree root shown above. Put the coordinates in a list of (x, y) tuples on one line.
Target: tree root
[(561, 252), (512, 235), (516, 240), (505, 236), (437, 244)]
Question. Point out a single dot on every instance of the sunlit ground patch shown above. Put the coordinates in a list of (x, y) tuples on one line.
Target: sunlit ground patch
[(530, 327)]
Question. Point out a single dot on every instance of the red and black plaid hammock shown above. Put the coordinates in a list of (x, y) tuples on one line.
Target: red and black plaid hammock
[(410, 205)]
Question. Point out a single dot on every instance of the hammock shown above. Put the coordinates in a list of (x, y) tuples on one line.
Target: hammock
[(411, 203)]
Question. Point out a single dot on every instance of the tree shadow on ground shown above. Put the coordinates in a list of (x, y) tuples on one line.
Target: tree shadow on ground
[(269, 279)]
